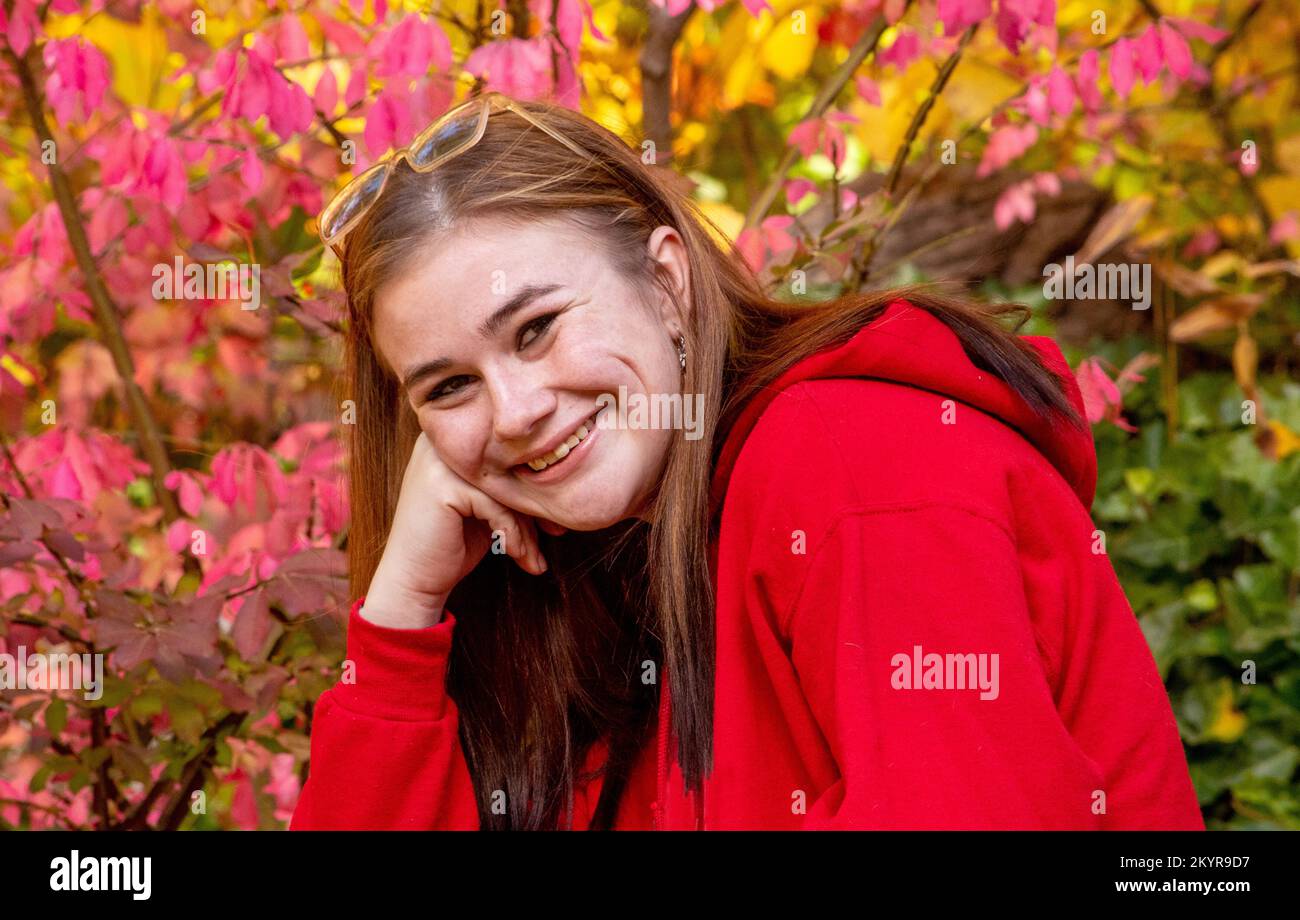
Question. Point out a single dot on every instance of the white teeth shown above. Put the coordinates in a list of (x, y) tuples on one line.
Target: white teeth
[(572, 441)]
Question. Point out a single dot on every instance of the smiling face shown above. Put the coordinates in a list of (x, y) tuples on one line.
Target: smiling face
[(505, 337)]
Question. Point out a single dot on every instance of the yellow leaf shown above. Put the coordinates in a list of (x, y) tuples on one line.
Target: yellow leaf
[(786, 53), (1221, 263), (1228, 724), (136, 51), (1286, 440), (881, 128), (1245, 359), (729, 220)]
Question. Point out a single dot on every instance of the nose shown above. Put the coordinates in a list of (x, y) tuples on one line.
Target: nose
[(520, 401)]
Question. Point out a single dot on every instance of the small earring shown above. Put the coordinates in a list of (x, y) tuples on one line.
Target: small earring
[(681, 351)]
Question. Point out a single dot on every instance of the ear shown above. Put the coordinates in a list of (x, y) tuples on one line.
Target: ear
[(669, 249)]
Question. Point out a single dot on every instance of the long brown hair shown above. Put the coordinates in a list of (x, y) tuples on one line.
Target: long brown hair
[(541, 667)]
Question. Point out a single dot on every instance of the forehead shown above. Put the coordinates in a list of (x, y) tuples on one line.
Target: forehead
[(457, 279)]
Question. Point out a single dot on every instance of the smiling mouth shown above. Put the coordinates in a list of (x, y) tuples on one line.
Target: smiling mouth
[(576, 437)]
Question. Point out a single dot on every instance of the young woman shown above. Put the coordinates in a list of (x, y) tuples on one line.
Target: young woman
[(636, 546)]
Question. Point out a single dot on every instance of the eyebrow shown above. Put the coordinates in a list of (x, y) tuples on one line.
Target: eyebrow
[(489, 327)]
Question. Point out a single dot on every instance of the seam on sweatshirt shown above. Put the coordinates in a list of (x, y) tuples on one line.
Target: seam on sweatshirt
[(335, 699), (811, 399), (1050, 666), (828, 431), (884, 508)]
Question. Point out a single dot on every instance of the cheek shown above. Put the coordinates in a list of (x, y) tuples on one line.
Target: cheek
[(650, 447), (458, 439)]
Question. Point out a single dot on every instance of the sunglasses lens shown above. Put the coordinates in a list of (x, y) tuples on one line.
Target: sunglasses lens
[(447, 137), (354, 199)]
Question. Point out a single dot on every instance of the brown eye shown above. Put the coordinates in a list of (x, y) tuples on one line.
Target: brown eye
[(447, 388), (534, 328)]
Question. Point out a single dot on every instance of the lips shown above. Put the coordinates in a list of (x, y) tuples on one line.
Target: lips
[(562, 447)]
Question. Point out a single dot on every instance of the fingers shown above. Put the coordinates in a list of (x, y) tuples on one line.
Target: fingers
[(516, 530)]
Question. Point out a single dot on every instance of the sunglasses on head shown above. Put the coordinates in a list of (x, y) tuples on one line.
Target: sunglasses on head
[(451, 134)]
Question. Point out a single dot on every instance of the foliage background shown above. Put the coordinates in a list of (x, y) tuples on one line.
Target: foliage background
[(173, 485)]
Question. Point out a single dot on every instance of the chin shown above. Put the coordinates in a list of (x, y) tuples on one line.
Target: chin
[(593, 516)]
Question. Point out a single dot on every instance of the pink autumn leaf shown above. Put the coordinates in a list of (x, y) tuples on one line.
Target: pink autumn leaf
[(1036, 103), (64, 482), (1193, 29), (284, 785), (255, 87), (1014, 20), (516, 67), (1006, 144), (407, 49), (1121, 67), (179, 535), (754, 243), (1015, 203), (905, 49), (958, 14), (1284, 229), (750, 246), (1147, 54), (803, 137), (385, 122), (326, 96), (23, 25), (78, 77), (776, 235), (108, 219), (868, 90), (796, 189), (1046, 183), (250, 172), (1060, 92), (163, 172), (189, 493), (1086, 81), (1101, 397), (440, 57), (1175, 50), (568, 19), (290, 110), (756, 7), (1203, 243), (291, 40), (358, 85), (342, 36)]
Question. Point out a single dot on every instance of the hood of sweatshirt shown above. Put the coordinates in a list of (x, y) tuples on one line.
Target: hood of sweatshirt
[(908, 345)]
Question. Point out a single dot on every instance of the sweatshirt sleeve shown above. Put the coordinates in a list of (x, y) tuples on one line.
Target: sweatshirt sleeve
[(385, 747), (915, 648)]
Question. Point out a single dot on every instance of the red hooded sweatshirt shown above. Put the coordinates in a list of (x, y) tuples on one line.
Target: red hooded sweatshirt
[(917, 628)]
